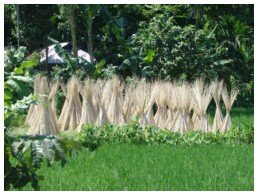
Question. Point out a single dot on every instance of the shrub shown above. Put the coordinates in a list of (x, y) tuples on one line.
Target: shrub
[(171, 51), (241, 135), (93, 136)]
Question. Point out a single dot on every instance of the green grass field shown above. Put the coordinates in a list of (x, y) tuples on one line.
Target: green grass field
[(154, 167)]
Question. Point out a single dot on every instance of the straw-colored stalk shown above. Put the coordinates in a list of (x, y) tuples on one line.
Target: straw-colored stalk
[(202, 98), (96, 86), (127, 107), (102, 113), (71, 111), (32, 109), (110, 101), (183, 98), (51, 98), (141, 94), (114, 111), (107, 93), (43, 123), (216, 94), (171, 101), (195, 118), (228, 101), (88, 114), (173, 106), (161, 115)]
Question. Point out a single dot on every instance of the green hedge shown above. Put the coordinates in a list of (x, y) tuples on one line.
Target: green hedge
[(93, 136)]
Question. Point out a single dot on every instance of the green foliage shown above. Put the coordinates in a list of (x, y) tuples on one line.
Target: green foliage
[(93, 136), (14, 57), (74, 66), (24, 156), (9, 25), (27, 64), (169, 51), (12, 111), (60, 99), (16, 83), (36, 23), (242, 134)]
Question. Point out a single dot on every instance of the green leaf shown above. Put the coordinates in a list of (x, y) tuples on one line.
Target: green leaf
[(18, 71), (36, 153), (7, 86), (52, 41), (23, 78), (13, 84), (149, 56), (25, 89), (58, 146), (60, 150), (48, 150), (27, 64), (125, 65), (20, 52), (17, 145), (7, 103), (100, 65), (7, 94), (30, 63), (223, 62), (35, 181), (26, 146), (22, 180)]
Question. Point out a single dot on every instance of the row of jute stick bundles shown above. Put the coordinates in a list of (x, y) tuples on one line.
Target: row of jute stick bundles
[(180, 107)]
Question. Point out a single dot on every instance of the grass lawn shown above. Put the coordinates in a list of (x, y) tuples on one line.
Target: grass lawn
[(154, 167)]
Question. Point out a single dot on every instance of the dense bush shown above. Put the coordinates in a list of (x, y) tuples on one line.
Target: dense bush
[(170, 52), (93, 136)]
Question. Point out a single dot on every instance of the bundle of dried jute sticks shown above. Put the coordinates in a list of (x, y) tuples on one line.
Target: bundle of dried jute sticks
[(176, 106)]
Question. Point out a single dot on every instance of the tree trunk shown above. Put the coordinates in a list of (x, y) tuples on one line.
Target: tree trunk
[(90, 41), (72, 22), (18, 25), (46, 63)]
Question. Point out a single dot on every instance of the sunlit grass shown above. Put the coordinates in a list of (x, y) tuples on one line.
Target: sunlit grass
[(154, 167)]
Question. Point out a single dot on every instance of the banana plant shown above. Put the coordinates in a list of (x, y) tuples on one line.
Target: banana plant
[(15, 80)]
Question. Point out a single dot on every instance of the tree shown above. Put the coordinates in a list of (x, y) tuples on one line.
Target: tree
[(90, 12), (9, 25), (35, 24), (18, 25)]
